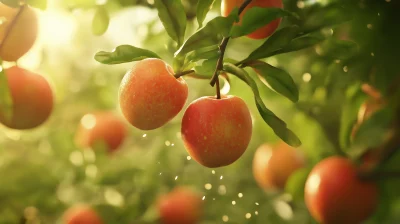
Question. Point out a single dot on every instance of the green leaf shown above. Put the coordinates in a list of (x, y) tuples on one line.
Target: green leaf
[(296, 182), (207, 68), (83, 4), (277, 41), (202, 9), (277, 79), (332, 15), (11, 3), (6, 104), (208, 35), (339, 49), (299, 44), (100, 22), (40, 4), (349, 114), (255, 18), (123, 54), (373, 131), (203, 53), (278, 126), (173, 17)]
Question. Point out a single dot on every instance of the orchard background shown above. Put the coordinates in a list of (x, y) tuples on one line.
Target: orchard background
[(315, 72)]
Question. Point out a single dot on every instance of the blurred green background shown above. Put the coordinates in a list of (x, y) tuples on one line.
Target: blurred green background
[(43, 172)]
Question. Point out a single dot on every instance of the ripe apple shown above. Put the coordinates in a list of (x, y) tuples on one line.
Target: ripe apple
[(334, 193), (216, 132), (81, 214), (100, 128), (263, 32), (180, 206), (150, 95), (18, 32), (32, 99), (273, 165)]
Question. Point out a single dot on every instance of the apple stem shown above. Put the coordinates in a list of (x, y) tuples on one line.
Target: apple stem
[(179, 74), (218, 89), (222, 48), (8, 31)]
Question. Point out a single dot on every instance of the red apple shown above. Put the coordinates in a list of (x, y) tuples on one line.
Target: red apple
[(263, 32), (32, 99), (99, 129), (17, 33), (334, 193), (216, 132), (180, 206), (273, 165), (81, 214), (150, 95)]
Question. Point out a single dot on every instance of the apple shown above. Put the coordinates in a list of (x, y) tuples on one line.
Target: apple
[(274, 164), (216, 132), (18, 32), (334, 193), (32, 99), (81, 214), (228, 5), (150, 95), (99, 129), (180, 206)]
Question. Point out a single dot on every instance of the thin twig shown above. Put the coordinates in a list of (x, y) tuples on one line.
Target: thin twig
[(390, 174), (179, 74), (222, 48)]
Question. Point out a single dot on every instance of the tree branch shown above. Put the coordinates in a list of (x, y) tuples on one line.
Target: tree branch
[(179, 74), (222, 48)]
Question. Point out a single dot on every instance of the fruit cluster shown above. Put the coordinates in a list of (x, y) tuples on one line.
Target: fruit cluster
[(216, 130), (31, 94)]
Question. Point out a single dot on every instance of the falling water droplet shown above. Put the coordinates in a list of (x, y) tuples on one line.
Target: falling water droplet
[(188, 157), (248, 215), (221, 177), (240, 195), (222, 189), (213, 171), (225, 218), (208, 186), (144, 135), (204, 197), (167, 143)]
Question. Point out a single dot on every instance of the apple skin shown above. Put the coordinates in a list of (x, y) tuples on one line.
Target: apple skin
[(150, 95), (104, 127), (21, 36), (32, 99), (263, 32), (273, 165), (81, 214), (334, 193), (180, 206), (216, 132)]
